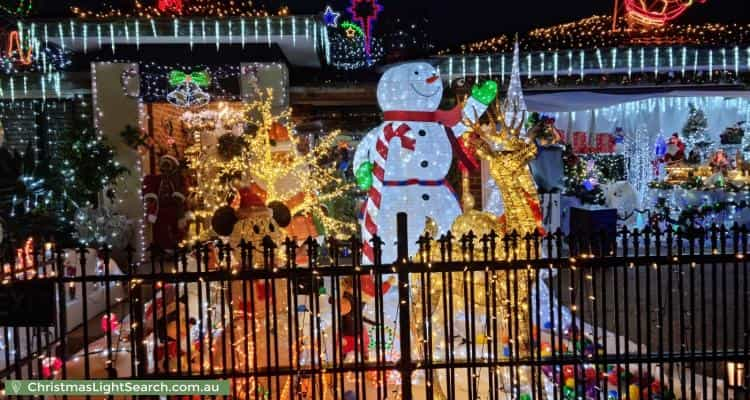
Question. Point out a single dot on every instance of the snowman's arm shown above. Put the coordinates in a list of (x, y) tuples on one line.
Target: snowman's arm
[(472, 110), (365, 149)]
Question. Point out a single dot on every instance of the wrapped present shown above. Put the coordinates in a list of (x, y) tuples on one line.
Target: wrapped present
[(566, 204), (588, 223), (580, 143), (605, 143)]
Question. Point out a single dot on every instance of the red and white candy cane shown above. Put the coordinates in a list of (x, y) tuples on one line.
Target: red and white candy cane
[(372, 207)]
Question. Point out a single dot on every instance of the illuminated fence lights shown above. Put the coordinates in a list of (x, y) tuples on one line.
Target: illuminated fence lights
[(581, 55), (570, 62), (555, 66), (684, 61), (502, 67), (736, 60), (643, 60), (630, 63), (671, 58)]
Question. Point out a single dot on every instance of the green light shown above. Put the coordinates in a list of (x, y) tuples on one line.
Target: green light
[(346, 25)]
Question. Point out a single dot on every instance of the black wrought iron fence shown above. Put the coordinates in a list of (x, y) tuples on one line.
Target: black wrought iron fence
[(649, 314)]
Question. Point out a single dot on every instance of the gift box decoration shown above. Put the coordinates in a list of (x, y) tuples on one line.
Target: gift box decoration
[(605, 143), (580, 142), (590, 223)]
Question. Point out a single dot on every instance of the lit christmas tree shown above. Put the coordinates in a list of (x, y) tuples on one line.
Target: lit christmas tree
[(348, 52), (694, 131), (55, 196)]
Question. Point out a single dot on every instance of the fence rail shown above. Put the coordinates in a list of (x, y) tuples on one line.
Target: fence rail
[(650, 314)]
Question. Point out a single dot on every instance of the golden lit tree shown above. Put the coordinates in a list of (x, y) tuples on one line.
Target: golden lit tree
[(255, 146), (308, 180)]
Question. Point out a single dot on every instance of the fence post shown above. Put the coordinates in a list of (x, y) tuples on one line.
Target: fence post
[(136, 300), (404, 304)]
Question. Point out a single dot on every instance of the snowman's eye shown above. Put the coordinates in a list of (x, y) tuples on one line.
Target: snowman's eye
[(416, 72)]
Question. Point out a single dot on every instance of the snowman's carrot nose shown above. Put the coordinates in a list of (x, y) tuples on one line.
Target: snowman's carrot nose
[(432, 79)]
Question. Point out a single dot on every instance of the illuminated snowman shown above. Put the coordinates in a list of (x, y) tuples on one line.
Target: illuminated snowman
[(404, 161)]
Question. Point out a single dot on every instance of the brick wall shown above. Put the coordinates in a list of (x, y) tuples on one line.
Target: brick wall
[(166, 125)]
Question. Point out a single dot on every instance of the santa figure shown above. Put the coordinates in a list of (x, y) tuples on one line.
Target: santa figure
[(403, 163), (165, 203), (675, 150)]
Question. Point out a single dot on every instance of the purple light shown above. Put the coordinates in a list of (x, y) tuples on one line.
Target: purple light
[(366, 13)]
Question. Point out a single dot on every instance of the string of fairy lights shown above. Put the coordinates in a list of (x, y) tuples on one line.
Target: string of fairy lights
[(614, 66), (596, 32), (79, 35), (208, 8), (322, 183)]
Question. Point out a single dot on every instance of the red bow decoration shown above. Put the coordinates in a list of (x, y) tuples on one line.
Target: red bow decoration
[(406, 142)]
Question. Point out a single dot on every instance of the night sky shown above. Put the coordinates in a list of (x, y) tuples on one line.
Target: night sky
[(454, 22)]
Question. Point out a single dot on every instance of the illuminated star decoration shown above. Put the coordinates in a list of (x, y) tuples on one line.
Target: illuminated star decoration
[(366, 13), (351, 29), (331, 17)]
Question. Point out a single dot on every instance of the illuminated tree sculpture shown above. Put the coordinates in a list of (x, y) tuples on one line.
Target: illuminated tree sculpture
[(256, 148), (287, 173)]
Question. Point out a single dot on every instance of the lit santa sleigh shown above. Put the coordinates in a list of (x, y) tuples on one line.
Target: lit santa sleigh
[(655, 13)]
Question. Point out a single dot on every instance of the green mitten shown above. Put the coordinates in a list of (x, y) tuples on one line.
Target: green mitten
[(364, 175), (485, 93)]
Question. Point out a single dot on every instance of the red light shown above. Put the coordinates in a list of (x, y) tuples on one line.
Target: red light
[(172, 6), (14, 46), (656, 12)]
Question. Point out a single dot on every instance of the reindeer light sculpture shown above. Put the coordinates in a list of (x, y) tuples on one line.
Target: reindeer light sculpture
[(508, 155)]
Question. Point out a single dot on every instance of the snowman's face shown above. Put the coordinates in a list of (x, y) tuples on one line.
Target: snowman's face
[(410, 87)]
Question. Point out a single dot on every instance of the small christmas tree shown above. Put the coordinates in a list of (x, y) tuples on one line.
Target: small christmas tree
[(694, 130)]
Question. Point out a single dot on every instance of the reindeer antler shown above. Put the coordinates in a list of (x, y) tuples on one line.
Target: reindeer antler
[(510, 127), (487, 133)]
